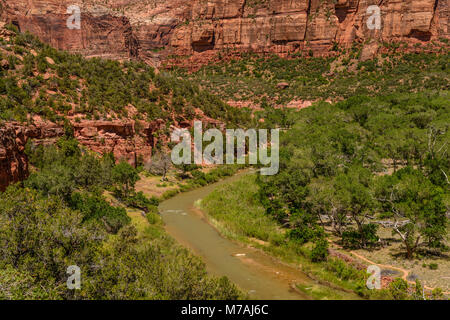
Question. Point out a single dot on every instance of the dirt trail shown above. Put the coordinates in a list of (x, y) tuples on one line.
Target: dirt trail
[(404, 272)]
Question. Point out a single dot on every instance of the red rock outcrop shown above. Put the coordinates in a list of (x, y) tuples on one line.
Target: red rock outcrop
[(122, 138), (13, 138), (125, 139), (129, 140), (152, 29), (13, 164)]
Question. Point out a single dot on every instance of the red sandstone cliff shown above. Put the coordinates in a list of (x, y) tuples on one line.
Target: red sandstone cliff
[(127, 28), (103, 32), (13, 138)]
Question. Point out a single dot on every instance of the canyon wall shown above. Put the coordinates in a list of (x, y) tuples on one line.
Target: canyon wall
[(102, 33), (152, 29)]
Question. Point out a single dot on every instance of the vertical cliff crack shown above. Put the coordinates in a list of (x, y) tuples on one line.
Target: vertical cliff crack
[(433, 18), (435, 8), (308, 15)]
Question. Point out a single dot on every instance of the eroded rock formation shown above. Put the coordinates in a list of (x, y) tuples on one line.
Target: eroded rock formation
[(13, 138), (126, 140), (102, 32)]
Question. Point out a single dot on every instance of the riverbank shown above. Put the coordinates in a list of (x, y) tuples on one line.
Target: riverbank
[(177, 181), (188, 225), (256, 273), (231, 210), (184, 275), (244, 220), (201, 233)]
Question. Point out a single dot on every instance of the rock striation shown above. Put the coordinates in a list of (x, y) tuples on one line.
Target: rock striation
[(133, 141), (126, 140), (151, 29)]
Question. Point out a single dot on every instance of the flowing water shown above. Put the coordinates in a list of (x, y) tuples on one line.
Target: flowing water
[(258, 274)]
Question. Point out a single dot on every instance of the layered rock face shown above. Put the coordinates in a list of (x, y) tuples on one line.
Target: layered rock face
[(102, 31), (13, 163), (126, 140), (132, 141), (129, 28)]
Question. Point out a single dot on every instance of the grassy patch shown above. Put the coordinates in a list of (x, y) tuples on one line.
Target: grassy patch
[(239, 212)]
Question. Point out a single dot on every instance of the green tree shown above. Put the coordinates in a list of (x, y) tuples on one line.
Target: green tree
[(42, 237), (320, 250), (353, 193), (398, 289), (17, 285), (125, 177), (323, 203), (417, 208)]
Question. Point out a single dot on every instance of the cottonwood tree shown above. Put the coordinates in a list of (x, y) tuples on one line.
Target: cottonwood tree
[(159, 165), (323, 203), (353, 195), (417, 209), (437, 162)]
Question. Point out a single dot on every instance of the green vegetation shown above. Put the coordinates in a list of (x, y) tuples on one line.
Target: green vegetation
[(189, 177), (255, 78), (36, 79), (192, 177), (236, 211), (338, 173), (59, 217), (226, 203), (348, 168), (378, 156)]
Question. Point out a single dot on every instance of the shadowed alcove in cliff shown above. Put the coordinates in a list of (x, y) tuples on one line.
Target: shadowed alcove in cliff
[(420, 35), (204, 43), (341, 13), (16, 23), (202, 47)]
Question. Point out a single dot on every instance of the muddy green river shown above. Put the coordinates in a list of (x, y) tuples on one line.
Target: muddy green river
[(256, 273)]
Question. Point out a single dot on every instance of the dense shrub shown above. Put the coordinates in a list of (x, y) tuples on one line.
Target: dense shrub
[(320, 250), (107, 88), (351, 238), (94, 207)]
